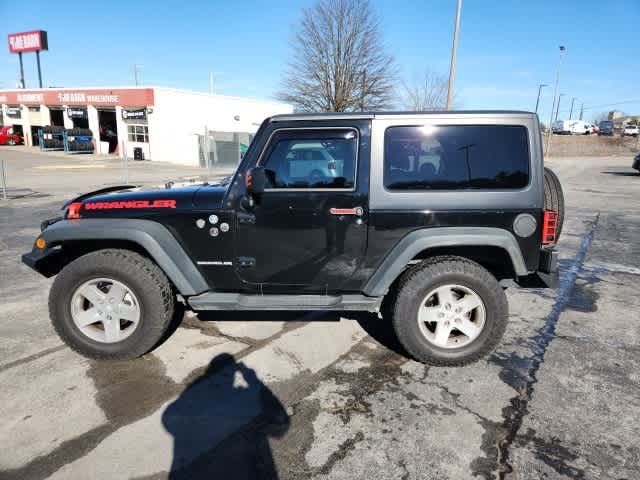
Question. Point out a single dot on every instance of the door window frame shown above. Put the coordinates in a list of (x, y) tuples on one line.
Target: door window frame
[(268, 148)]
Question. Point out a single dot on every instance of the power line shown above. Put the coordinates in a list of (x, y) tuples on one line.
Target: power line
[(592, 107)]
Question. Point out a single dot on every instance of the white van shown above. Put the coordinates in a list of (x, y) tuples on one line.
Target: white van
[(572, 127)]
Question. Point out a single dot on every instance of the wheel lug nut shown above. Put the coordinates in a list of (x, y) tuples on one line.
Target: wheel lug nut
[(440, 315)]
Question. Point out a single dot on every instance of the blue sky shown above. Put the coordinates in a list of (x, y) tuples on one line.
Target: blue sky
[(507, 47)]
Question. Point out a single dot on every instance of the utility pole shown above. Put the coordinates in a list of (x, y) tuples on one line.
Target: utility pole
[(454, 52), (212, 84), (581, 110), (21, 81), (555, 93), (558, 107), (573, 99), (136, 67), (539, 90), (39, 71)]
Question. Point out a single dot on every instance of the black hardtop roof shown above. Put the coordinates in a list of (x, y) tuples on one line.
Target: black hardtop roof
[(370, 115)]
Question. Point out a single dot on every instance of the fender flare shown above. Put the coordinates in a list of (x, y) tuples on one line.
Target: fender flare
[(156, 239), (419, 240)]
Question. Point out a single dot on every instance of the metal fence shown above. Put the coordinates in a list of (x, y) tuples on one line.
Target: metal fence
[(222, 148)]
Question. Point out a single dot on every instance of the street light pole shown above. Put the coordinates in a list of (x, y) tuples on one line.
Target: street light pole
[(581, 110), (539, 90), (558, 106), (555, 93), (573, 99), (136, 67), (454, 52)]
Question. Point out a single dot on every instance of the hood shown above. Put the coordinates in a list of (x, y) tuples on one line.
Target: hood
[(129, 197)]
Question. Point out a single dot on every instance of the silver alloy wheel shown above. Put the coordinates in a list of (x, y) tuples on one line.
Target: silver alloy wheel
[(451, 316), (105, 310)]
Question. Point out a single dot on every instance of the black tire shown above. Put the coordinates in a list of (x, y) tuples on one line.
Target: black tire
[(554, 197), (418, 281), (142, 276)]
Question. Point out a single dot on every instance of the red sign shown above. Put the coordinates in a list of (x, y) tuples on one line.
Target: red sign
[(125, 97), (131, 204), (32, 41)]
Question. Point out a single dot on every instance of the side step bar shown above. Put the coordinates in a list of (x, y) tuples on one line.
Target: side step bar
[(239, 301)]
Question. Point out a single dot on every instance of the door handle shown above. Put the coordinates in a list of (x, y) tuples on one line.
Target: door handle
[(245, 262), (357, 211)]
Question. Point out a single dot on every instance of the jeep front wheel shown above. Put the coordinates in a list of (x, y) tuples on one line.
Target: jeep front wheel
[(449, 311), (111, 304)]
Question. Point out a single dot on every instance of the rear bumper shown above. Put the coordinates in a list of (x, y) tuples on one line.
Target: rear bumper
[(547, 274)]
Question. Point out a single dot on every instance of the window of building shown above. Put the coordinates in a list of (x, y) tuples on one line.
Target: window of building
[(456, 157), (312, 159), (138, 133)]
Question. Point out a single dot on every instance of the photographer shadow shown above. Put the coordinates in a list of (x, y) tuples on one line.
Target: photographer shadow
[(222, 422)]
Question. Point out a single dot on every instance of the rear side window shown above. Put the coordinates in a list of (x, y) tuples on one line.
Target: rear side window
[(456, 157)]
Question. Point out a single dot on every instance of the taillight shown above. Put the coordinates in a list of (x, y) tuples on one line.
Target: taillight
[(248, 180), (549, 227), (74, 210)]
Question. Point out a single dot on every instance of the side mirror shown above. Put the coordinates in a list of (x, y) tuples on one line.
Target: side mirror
[(255, 180)]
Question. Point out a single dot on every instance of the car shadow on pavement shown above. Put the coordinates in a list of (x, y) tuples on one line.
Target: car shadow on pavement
[(622, 174), (221, 424)]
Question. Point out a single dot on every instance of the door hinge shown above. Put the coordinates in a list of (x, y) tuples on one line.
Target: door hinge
[(245, 262), (246, 218)]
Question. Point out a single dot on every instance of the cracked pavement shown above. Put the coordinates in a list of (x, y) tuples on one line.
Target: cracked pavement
[(295, 395)]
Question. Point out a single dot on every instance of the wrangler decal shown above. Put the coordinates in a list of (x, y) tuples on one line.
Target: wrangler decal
[(130, 204)]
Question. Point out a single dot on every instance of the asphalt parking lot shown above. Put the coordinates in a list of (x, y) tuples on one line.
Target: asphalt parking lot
[(310, 395)]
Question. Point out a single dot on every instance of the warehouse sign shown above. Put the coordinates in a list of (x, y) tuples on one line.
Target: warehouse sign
[(94, 96), (77, 113), (14, 112), (33, 41), (137, 114)]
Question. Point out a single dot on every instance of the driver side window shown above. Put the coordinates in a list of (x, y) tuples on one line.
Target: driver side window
[(314, 159)]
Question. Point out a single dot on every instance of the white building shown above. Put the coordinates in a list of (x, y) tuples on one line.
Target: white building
[(158, 123)]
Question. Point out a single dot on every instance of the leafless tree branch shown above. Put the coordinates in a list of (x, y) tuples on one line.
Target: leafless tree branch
[(429, 92), (339, 63)]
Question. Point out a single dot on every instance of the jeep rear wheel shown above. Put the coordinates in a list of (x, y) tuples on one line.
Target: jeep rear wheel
[(111, 304), (449, 311)]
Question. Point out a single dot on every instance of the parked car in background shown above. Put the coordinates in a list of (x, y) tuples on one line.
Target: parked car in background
[(631, 131), (636, 163), (605, 127), (8, 137)]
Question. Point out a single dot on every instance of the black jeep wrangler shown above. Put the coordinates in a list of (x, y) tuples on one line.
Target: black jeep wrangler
[(424, 217)]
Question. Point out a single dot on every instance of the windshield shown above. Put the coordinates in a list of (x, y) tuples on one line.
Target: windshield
[(606, 124)]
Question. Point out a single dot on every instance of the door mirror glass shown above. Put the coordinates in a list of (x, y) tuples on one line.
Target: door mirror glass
[(255, 180)]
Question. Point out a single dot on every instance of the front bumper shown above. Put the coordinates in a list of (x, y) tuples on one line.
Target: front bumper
[(45, 261), (547, 274)]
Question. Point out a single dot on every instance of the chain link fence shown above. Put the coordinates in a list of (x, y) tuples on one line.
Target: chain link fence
[(222, 149)]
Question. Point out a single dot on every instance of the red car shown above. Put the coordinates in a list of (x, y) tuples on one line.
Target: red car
[(7, 137)]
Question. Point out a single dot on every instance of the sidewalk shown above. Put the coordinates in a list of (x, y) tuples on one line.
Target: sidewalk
[(57, 173)]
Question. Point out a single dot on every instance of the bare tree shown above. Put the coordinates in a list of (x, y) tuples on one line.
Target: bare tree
[(339, 63), (429, 92)]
